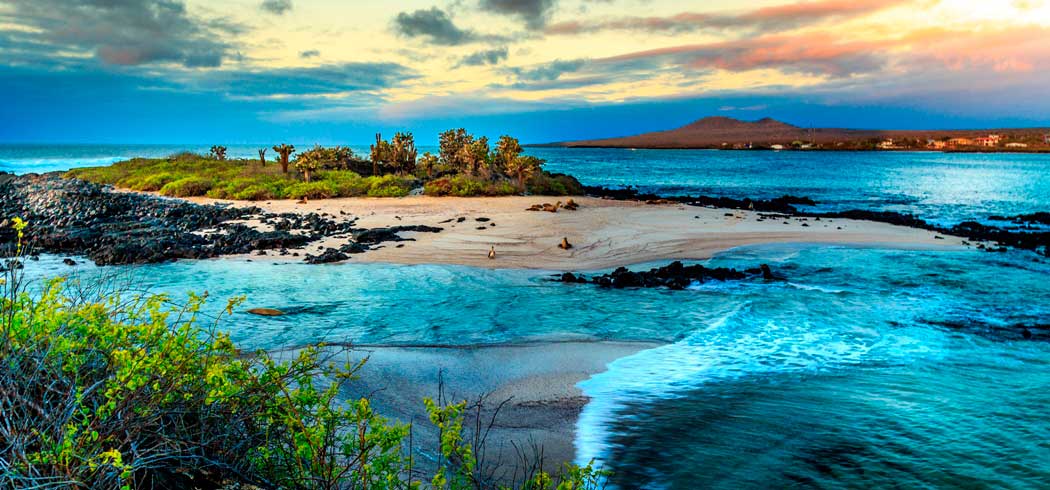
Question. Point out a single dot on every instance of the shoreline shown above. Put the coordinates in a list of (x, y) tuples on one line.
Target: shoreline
[(603, 233), (535, 390)]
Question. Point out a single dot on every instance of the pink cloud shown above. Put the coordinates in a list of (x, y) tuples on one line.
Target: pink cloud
[(1002, 50), (779, 17)]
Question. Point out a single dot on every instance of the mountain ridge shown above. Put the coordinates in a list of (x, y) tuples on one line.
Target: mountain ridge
[(727, 132)]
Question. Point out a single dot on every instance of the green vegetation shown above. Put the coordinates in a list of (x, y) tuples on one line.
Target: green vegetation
[(465, 166), (119, 390), (188, 175)]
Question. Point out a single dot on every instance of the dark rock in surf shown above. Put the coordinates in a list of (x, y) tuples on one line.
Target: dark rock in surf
[(675, 275), (328, 256)]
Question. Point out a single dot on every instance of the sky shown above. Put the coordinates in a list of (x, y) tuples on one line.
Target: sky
[(338, 71)]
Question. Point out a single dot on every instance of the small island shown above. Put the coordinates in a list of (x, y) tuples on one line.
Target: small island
[(465, 166)]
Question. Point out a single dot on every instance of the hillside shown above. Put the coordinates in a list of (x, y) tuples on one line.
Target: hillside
[(722, 132)]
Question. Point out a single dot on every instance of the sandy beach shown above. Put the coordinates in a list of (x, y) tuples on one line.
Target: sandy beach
[(604, 233), (534, 390)]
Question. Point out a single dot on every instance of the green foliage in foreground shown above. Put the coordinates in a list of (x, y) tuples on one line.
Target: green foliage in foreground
[(189, 175), (127, 391)]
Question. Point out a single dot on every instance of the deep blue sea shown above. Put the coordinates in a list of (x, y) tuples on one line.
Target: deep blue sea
[(868, 368)]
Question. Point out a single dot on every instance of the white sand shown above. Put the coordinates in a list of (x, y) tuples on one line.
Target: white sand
[(603, 233)]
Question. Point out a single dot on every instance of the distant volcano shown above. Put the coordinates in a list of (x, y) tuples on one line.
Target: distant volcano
[(707, 132)]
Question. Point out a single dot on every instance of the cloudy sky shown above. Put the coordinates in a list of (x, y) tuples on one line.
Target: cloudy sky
[(241, 71)]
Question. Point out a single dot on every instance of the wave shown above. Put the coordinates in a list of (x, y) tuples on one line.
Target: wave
[(739, 344), (26, 165)]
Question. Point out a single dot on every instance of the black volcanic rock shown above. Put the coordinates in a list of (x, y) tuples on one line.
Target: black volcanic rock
[(1042, 218), (675, 275), (69, 216), (328, 256), (784, 204), (391, 234)]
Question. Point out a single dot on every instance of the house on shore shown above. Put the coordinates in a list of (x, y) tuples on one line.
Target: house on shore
[(1017, 145), (960, 142), (992, 140), (936, 144)]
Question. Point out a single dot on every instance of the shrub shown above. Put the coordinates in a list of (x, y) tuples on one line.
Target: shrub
[(347, 184), (388, 186), (138, 396), (548, 184), (438, 187), (185, 156), (320, 189), (153, 182), (187, 187), (257, 192), (502, 188), (465, 186)]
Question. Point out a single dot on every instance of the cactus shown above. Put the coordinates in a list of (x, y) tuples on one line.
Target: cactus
[(285, 150)]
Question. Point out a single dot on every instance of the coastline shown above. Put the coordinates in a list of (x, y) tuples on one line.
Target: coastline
[(534, 388), (604, 233)]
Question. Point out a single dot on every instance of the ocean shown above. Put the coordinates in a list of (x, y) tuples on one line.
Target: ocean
[(945, 188), (866, 368)]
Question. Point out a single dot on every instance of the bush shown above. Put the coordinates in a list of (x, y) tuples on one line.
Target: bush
[(319, 189), (438, 187), (548, 184), (153, 182), (388, 186), (467, 186), (459, 185), (257, 192), (347, 184), (502, 188), (128, 400), (187, 187)]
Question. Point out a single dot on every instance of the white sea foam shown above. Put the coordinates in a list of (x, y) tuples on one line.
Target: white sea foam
[(738, 344)]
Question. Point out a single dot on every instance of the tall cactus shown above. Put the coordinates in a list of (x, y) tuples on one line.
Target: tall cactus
[(380, 153), (262, 157), (285, 150), (404, 152), (219, 152)]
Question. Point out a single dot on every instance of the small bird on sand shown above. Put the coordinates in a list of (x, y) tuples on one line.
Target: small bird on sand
[(492, 252), (564, 245)]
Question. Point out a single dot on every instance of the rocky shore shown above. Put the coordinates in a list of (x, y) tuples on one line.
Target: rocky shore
[(68, 216)]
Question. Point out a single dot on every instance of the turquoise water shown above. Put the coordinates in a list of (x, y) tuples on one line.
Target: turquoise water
[(946, 188), (842, 376), (867, 368)]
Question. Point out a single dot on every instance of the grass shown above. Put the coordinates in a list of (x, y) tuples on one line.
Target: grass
[(189, 175)]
